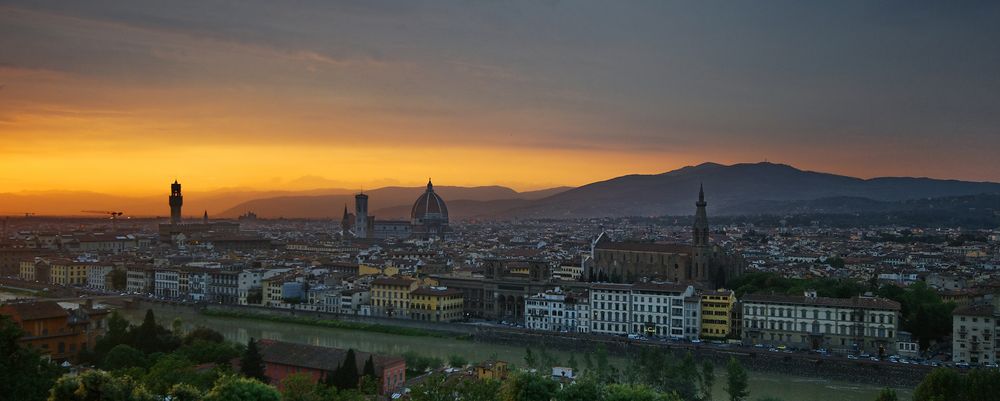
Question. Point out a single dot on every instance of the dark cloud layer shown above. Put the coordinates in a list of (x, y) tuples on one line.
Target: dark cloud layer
[(861, 84)]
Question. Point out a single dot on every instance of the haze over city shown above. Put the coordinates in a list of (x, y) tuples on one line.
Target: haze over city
[(119, 97)]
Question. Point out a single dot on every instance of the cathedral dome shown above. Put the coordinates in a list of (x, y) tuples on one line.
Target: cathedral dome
[(429, 207)]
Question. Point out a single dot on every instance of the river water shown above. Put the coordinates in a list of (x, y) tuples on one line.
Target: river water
[(786, 388)]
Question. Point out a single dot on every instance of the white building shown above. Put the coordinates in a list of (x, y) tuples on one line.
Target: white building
[(609, 308), (974, 329), (859, 324), (656, 309), (97, 276), (167, 283), (556, 310), (139, 279)]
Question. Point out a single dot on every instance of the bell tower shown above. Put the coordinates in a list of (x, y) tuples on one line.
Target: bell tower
[(702, 249), (176, 201), (361, 215)]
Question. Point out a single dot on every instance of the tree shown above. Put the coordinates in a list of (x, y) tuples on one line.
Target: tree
[(434, 388), (457, 361), (980, 384), (347, 374), (173, 369), (119, 279), (97, 385), (232, 388), (529, 358), (525, 387), (300, 387), (184, 392), (887, 394), (203, 334), (636, 392), (736, 381), (585, 389), (942, 384), (177, 327), (572, 363), (150, 337), (124, 357), (478, 390), (707, 380), (24, 375), (252, 363), (369, 369)]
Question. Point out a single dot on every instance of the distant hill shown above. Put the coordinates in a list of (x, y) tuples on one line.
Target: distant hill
[(739, 189), (728, 187)]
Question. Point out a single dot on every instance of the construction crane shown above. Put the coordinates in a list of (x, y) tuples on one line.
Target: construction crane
[(114, 216)]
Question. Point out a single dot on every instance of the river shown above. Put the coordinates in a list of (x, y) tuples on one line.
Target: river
[(786, 388)]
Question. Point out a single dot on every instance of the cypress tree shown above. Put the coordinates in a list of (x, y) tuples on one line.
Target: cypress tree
[(252, 364), (347, 375), (369, 367)]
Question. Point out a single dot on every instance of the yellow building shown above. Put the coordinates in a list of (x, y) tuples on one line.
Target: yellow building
[(717, 313), (27, 270), (391, 296), (436, 304), (491, 369), (366, 270), (66, 272)]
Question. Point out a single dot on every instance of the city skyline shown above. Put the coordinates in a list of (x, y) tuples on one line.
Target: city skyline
[(118, 98)]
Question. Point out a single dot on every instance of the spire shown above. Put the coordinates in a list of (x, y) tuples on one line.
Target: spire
[(430, 187), (700, 227)]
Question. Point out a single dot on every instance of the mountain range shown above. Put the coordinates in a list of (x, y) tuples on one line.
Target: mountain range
[(749, 188)]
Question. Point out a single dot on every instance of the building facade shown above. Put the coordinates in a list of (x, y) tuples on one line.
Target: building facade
[(700, 262), (974, 329), (559, 311), (436, 304), (717, 310), (849, 325)]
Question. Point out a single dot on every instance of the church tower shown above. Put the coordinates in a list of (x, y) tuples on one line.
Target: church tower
[(702, 249), (361, 215), (345, 223), (700, 230), (176, 201)]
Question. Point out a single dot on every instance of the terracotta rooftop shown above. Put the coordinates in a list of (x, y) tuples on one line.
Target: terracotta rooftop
[(320, 358), (35, 310)]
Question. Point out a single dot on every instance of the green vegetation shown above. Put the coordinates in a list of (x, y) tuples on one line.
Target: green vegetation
[(771, 283), (252, 364), (948, 385), (24, 375), (923, 313), (417, 364), (334, 324), (736, 382)]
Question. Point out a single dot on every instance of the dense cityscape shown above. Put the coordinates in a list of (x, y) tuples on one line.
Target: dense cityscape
[(897, 300), (440, 200)]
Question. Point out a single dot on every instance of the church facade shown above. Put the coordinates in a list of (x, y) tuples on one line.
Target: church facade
[(700, 262)]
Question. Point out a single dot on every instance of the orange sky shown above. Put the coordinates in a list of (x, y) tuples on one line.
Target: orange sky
[(125, 99)]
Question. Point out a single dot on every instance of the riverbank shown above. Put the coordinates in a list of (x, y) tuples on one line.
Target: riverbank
[(788, 387), (811, 366)]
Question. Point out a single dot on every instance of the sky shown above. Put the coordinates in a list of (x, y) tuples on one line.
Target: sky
[(123, 97)]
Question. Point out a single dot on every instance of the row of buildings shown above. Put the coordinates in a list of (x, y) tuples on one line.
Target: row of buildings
[(668, 310)]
